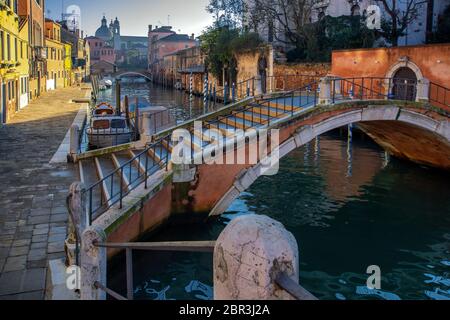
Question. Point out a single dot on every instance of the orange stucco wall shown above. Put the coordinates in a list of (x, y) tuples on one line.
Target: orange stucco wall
[(432, 60)]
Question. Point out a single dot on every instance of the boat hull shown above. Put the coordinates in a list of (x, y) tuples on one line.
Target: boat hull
[(105, 140)]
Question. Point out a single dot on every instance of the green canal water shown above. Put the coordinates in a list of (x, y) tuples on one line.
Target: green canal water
[(348, 205)]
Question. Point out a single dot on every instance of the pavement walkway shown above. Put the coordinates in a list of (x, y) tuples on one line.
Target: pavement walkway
[(33, 214)]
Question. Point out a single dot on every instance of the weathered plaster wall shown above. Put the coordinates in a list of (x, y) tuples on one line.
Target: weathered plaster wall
[(432, 60)]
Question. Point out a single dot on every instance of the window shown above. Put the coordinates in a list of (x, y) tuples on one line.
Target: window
[(2, 52), (16, 49), (8, 47)]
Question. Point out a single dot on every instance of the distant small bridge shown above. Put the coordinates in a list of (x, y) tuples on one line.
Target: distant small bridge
[(133, 73)]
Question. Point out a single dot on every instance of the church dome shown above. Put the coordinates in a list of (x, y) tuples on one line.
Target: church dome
[(104, 32)]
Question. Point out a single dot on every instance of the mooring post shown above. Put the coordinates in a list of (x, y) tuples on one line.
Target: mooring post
[(225, 94), (233, 92), (250, 254), (93, 264), (136, 120), (214, 94), (205, 95), (118, 96), (127, 109)]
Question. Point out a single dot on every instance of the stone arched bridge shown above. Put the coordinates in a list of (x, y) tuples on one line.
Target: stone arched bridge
[(133, 73), (131, 189)]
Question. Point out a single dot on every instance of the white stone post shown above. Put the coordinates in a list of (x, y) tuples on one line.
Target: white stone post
[(74, 141), (325, 91), (423, 90), (93, 264), (249, 255), (258, 86)]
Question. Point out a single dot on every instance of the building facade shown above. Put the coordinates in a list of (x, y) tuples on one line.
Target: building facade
[(24, 63), (55, 56), (9, 60), (100, 50), (79, 54), (164, 42), (33, 10)]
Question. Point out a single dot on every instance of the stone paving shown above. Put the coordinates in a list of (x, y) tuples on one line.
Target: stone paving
[(33, 214)]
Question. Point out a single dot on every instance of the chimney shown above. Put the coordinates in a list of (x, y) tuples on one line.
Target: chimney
[(82, 34), (192, 37), (150, 28)]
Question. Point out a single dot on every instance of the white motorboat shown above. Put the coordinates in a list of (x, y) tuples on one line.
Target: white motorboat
[(107, 131)]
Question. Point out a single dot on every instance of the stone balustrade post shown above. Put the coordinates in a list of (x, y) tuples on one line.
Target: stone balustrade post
[(258, 86), (423, 90), (93, 264), (249, 255), (325, 91)]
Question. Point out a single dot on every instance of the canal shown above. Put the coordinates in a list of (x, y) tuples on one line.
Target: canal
[(347, 203)]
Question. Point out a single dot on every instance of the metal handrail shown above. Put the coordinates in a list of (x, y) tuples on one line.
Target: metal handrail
[(117, 197), (283, 280), (437, 88), (185, 246)]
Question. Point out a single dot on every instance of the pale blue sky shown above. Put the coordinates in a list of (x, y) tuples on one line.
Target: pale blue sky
[(188, 16)]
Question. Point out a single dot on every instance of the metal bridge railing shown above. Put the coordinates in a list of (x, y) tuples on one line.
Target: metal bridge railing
[(111, 189), (439, 96)]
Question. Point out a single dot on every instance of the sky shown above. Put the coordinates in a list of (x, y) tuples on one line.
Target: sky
[(188, 16)]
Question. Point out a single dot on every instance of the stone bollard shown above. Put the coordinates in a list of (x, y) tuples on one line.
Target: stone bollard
[(74, 141), (325, 91), (78, 221), (423, 90), (93, 264), (249, 254)]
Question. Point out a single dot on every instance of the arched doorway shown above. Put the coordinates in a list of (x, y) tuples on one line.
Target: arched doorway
[(404, 84)]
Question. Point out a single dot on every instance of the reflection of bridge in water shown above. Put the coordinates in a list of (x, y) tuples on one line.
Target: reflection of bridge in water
[(135, 187)]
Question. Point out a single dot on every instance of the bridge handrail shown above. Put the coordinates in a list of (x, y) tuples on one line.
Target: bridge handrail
[(117, 196), (436, 99), (348, 88), (290, 95)]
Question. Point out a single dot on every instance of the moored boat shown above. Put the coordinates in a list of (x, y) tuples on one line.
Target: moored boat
[(107, 131)]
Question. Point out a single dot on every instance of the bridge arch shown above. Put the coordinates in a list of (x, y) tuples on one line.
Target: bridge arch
[(434, 131), (145, 75)]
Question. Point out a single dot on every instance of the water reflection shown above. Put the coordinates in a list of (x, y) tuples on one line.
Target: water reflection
[(177, 101)]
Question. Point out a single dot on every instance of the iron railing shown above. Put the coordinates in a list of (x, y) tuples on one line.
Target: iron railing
[(283, 280), (185, 246), (373, 88), (439, 96), (112, 188)]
